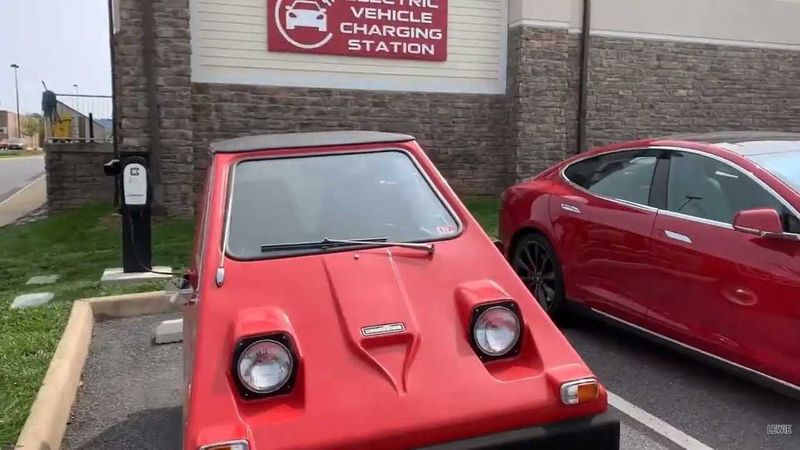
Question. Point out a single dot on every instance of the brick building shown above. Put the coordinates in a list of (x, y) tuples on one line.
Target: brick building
[(495, 98), (8, 125)]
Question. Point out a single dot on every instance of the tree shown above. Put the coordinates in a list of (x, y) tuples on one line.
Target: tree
[(31, 126)]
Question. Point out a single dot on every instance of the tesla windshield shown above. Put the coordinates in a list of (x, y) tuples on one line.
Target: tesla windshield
[(784, 165), (278, 202)]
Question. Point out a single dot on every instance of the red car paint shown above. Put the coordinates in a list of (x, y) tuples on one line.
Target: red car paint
[(423, 386), (727, 293)]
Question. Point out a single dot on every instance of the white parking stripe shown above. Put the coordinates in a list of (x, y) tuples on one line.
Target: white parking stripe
[(654, 423)]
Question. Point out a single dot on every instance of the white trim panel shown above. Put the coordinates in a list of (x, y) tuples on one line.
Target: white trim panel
[(229, 45)]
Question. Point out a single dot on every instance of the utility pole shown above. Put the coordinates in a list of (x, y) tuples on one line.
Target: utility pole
[(16, 89)]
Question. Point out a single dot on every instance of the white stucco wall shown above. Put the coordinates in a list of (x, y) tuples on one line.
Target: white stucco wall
[(764, 23)]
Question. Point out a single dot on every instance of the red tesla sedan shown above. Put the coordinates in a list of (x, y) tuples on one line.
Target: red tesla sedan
[(694, 240)]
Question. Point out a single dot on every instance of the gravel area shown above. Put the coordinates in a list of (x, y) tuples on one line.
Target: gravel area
[(34, 216), (131, 392)]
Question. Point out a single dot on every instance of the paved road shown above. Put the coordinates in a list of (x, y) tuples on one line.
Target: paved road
[(16, 173), (130, 398), (716, 408)]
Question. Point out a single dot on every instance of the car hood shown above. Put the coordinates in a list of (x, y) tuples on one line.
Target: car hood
[(381, 336)]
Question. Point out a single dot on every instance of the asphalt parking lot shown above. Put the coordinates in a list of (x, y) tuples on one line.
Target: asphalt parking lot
[(717, 409), (131, 395), (130, 398)]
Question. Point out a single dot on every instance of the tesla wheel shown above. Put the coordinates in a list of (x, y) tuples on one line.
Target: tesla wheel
[(536, 263)]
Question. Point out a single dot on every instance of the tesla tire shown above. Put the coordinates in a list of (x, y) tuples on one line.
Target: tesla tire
[(537, 264)]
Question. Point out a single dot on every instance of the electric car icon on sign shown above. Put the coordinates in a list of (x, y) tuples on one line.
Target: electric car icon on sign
[(308, 14)]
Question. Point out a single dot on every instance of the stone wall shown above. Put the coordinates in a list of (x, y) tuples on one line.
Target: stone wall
[(481, 143), (538, 99), (75, 175), (463, 134), (166, 25), (643, 88)]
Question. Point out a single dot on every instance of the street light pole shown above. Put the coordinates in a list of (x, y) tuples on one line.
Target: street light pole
[(16, 89), (76, 88)]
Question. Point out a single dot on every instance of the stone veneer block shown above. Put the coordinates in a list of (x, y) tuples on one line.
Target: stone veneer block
[(169, 332), (31, 300), (43, 279)]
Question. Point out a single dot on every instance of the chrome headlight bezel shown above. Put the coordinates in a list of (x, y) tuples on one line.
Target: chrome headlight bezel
[(248, 392), (477, 312)]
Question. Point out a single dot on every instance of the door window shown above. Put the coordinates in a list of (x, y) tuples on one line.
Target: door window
[(703, 187), (621, 175)]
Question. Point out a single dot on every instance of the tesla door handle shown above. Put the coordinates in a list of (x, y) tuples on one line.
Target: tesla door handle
[(570, 208), (678, 237)]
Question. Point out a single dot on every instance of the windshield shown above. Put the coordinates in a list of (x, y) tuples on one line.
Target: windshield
[(784, 165), (346, 196)]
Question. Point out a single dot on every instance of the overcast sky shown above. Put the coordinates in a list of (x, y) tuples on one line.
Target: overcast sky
[(62, 42)]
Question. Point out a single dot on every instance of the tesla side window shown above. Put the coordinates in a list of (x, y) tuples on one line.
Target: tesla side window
[(704, 187), (622, 175)]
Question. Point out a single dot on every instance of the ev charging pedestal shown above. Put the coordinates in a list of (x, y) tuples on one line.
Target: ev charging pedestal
[(132, 178)]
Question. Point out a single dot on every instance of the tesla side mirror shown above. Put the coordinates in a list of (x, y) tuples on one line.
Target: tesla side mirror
[(761, 222)]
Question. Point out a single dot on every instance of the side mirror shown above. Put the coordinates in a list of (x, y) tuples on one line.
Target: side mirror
[(761, 222)]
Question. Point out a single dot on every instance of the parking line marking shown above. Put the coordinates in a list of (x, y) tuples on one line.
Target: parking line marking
[(654, 423)]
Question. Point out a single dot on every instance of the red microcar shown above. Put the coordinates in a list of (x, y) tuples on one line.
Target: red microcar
[(343, 297), (692, 240)]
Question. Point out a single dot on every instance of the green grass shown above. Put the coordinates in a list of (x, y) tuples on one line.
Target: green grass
[(18, 153), (485, 210), (78, 245)]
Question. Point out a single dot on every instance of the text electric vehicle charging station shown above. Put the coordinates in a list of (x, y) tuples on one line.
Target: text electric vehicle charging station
[(131, 172)]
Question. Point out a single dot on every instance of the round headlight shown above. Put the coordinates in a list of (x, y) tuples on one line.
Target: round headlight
[(265, 366), (496, 331)]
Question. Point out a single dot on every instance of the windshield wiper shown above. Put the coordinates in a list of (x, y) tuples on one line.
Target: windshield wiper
[(332, 243)]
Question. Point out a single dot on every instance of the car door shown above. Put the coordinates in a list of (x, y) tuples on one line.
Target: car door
[(734, 294), (195, 275), (603, 222)]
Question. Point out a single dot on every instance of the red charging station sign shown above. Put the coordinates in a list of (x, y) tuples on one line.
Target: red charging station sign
[(398, 29)]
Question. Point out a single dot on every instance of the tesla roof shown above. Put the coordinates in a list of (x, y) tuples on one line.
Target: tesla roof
[(747, 143), (300, 140)]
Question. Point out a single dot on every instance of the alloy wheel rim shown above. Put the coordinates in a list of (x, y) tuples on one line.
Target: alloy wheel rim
[(535, 267)]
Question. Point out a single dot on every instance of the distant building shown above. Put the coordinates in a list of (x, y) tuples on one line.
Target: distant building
[(8, 125)]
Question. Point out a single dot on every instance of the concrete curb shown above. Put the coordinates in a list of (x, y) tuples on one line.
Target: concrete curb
[(129, 305), (44, 429), (49, 414)]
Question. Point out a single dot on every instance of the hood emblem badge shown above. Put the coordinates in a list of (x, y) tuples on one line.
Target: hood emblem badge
[(386, 328)]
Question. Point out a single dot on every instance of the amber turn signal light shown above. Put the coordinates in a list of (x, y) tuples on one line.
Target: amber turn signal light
[(579, 391)]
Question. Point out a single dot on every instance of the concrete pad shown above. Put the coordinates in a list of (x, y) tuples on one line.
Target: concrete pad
[(31, 300), (117, 276), (43, 279), (169, 331)]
